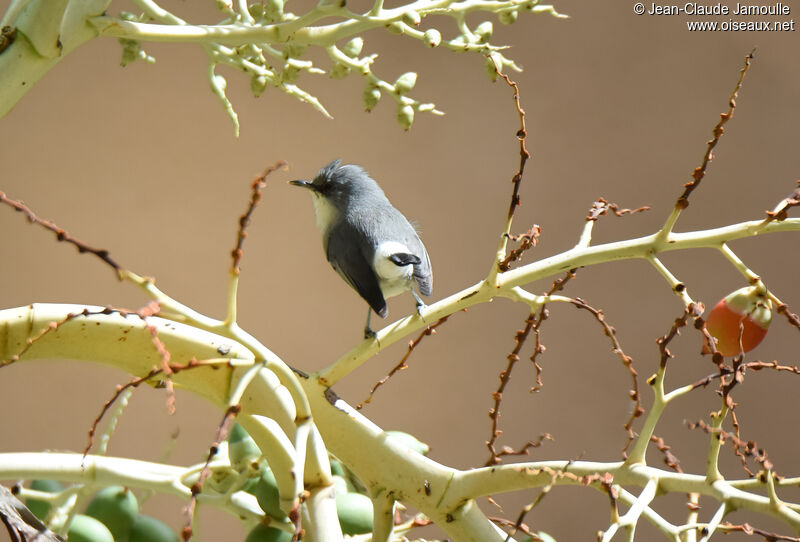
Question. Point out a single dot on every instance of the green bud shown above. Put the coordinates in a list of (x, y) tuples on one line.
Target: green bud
[(395, 28), (493, 65), (371, 96), (130, 51), (294, 49), (353, 47), (405, 82), (484, 31), (273, 10), (411, 18), (256, 10), (224, 5), (258, 84), (339, 71), (433, 37), (289, 74), (405, 116), (508, 17)]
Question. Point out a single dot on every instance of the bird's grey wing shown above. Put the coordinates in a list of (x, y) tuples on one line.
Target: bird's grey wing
[(423, 274), (349, 261)]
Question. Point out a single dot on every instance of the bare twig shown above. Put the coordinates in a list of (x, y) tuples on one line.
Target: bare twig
[(522, 134), (135, 383), (601, 207), (61, 235), (430, 330), (532, 323), (782, 210), (222, 433), (627, 361), (527, 240), (700, 171), (748, 449), (255, 198), (750, 530), (670, 459)]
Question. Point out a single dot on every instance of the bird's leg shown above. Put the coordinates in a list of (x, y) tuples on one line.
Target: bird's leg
[(368, 333), (420, 304)]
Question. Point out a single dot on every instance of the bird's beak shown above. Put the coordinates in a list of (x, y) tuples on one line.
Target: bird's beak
[(304, 184)]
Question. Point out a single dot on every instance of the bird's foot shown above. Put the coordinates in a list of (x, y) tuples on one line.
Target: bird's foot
[(369, 334)]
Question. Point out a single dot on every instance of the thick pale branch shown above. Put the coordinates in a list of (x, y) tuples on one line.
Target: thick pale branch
[(642, 247)]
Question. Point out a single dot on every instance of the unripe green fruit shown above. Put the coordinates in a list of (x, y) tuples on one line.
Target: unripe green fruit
[(405, 82), (262, 533), (116, 507), (371, 97), (340, 71), (484, 31), (411, 18), (353, 47), (405, 116), (87, 529), (355, 513), (242, 449), (267, 495), (508, 17), (337, 468), (40, 509), (258, 84), (433, 37), (149, 529), (273, 9)]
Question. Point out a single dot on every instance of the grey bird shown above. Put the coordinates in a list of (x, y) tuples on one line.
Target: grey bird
[(369, 243)]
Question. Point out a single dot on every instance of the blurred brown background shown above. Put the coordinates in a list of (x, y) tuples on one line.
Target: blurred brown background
[(143, 161)]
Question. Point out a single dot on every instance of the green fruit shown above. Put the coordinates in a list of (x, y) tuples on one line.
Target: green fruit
[(508, 17), (87, 529), (337, 468), (148, 529), (410, 441), (267, 495), (262, 533), (40, 509), (242, 449), (355, 513), (116, 507)]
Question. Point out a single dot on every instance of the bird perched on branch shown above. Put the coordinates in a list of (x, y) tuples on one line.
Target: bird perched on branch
[(372, 246)]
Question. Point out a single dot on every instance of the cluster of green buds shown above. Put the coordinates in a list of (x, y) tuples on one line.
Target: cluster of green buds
[(268, 44)]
